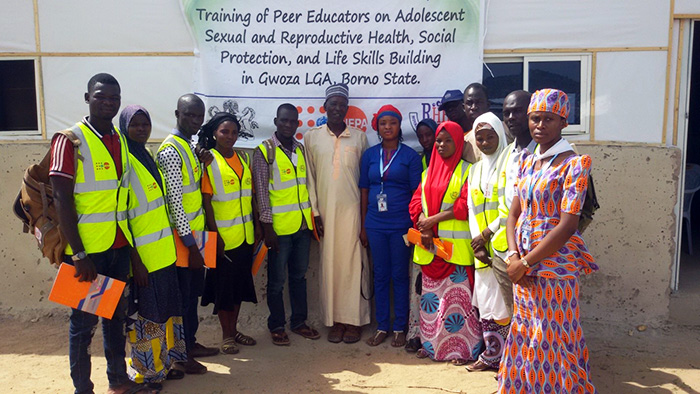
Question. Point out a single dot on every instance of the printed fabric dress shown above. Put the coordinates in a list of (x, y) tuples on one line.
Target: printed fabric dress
[(545, 350)]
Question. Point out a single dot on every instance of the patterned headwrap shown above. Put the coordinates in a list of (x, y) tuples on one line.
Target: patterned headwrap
[(386, 110), (550, 100), (339, 89)]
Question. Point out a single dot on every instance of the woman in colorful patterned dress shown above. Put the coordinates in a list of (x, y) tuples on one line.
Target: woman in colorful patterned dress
[(546, 351), (154, 326), (449, 326)]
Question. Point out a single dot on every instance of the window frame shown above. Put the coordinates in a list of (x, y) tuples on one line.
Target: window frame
[(586, 86), (30, 134)]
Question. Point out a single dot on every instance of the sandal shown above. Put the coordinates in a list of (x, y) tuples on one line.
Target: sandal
[(175, 374), (378, 337), (244, 339), (458, 362), (307, 332), (352, 334), (229, 346), (280, 338), (154, 388), (422, 353), (413, 345), (399, 339), (335, 335)]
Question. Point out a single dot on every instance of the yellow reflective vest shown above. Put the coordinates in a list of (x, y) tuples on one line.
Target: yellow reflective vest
[(191, 176), (453, 230), (289, 198), (232, 200), (99, 195), (499, 241), (148, 218), (485, 203)]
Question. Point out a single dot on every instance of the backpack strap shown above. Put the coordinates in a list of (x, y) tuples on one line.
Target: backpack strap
[(270, 148)]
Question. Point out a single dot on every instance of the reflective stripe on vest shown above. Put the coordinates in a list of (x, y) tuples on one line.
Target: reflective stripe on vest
[(99, 196), (148, 218), (191, 175), (455, 231), (485, 210), (232, 200), (289, 198), (425, 162), (499, 241)]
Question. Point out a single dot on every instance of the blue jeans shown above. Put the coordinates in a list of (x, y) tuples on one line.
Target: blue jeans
[(115, 264), (191, 285), (292, 252), (391, 260)]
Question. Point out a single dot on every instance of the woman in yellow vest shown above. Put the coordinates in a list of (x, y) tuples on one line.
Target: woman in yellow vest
[(227, 194), (154, 328), (449, 325), (495, 316)]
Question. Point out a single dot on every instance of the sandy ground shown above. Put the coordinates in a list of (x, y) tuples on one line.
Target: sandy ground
[(34, 359)]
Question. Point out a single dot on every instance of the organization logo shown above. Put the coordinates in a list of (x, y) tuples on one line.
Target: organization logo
[(151, 187), (102, 166), (454, 195), (248, 181), (355, 117), (302, 168), (428, 110), (230, 182)]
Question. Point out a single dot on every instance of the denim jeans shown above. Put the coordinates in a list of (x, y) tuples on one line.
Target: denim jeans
[(391, 260), (292, 252), (191, 285), (115, 264)]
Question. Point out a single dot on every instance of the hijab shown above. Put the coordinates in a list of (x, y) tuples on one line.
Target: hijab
[(137, 149), (440, 170), (489, 162), (433, 126)]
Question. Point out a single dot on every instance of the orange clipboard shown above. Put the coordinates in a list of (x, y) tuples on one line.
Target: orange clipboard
[(99, 297), (206, 241), (440, 248), (259, 253)]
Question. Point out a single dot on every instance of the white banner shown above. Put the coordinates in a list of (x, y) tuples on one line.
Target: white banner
[(254, 56)]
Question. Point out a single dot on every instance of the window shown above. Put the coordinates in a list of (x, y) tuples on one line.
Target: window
[(570, 73), (18, 104)]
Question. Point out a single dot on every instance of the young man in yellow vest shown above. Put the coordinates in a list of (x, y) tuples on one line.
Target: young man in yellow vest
[(179, 160), (91, 204), (279, 173)]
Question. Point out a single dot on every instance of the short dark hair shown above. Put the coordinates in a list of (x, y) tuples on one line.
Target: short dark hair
[(103, 78), (288, 106), (477, 86)]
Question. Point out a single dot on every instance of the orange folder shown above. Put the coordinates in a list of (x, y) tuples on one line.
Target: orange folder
[(99, 297), (206, 241), (259, 253), (440, 248)]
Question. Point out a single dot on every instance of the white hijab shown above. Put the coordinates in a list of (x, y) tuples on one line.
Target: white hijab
[(489, 162), (560, 147)]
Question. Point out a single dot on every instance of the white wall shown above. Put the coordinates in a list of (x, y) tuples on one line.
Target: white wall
[(624, 112)]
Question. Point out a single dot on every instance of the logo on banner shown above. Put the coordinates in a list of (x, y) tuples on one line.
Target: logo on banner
[(354, 118), (428, 110), (246, 117)]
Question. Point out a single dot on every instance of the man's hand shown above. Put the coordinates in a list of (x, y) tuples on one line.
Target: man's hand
[(196, 261), (482, 255), (140, 270), (204, 156), (220, 246), (85, 270), (270, 237), (318, 225), (481, 239)]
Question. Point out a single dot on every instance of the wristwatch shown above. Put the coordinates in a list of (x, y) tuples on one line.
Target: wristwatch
[(79, 256)]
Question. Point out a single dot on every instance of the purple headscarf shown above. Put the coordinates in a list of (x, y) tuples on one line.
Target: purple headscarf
[(137, 149)]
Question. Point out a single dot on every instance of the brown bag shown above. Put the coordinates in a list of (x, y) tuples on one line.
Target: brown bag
[(36, 208)]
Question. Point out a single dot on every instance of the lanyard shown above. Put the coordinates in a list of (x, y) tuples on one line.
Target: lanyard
[(534, 181), (382, 167)]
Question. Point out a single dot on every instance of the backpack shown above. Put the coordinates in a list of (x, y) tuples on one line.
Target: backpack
[(36, 208), (590, 203)]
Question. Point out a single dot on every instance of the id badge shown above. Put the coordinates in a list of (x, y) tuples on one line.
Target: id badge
[(488, 193), (381, 202)]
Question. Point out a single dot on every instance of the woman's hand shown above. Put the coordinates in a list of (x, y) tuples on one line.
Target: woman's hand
[(426, 238), (140, 271), (426, 223), (363, 237), (516, 270), (220, 246)]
